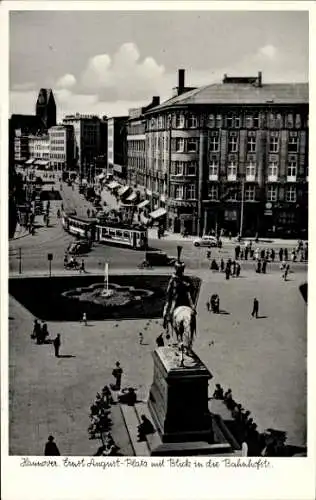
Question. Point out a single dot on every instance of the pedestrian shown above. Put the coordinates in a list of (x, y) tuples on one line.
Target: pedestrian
[(222, 265), (82, 267), (88, 213), (117, 374), (62, 207), (286, 271), (262, 253), (227, 271), (281, 254), (57, 344), (293, 255), (242, 254), (258, 270), (257, 252), (238, 269), (44, 332), (246, 252), (264, 266), (286, 254), (219, 392), (272, 254), (208, 306), (229, 235), (255, 308), (36, 330), (141, 338), (84, 318), (51, 449), (234, 268), (160, 341), (237, 251)]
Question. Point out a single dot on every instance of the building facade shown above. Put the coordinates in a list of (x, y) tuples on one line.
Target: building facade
[(117, 147), (39, 148), (61, 142), (21, 147), (86, 142), (46, 107), (231, 156)]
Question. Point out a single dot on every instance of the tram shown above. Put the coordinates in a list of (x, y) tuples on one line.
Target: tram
[(132, 236), (79, 226)]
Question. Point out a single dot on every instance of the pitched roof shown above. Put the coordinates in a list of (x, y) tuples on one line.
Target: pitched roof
[(239, 93)]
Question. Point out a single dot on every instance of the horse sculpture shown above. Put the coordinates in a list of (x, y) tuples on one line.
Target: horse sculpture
[(184, 326)]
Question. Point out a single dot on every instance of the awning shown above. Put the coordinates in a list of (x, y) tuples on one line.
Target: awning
[(131, 197), (143, 204), (158, 213), (41, 163), (113, 185), (30, 161), (123, 190)]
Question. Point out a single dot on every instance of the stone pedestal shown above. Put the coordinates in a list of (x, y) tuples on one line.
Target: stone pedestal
[(178, 399)]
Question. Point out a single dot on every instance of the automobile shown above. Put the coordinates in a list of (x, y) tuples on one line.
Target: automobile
[(205, 241), (157, 258), (79, 247)]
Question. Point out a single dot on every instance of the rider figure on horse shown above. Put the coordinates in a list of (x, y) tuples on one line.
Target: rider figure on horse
[(178, 292)]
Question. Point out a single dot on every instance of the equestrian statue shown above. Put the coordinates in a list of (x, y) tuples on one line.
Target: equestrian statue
[(179, 311)]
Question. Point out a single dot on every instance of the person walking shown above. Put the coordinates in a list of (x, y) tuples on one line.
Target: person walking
[(222, 265), (238, 269), (82, 267), (286, 271), (286, 254), (272, 254), (51, 448), (160, 341), (246, 252), (281, 254), (255, 308), (84, 319), (208, 306), (264, 266), (88, 212), (117, 374), (57, 344)]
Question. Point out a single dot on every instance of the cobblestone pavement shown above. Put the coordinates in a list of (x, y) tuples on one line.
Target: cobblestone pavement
[(262, 360)]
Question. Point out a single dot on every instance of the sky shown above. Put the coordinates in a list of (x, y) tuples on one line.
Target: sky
[(104, 63)]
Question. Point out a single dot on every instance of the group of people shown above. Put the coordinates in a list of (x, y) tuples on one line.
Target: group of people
[(40, 334), (72, 263), (246, 430), (232, 268)]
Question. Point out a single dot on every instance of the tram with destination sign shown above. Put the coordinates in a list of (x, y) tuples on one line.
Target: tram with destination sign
[(127, 235), (80, 227)]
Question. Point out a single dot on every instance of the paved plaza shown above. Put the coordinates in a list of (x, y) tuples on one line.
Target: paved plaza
[(263, 361)]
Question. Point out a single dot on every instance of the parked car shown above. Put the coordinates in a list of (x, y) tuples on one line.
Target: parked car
[(205, 241), (79, 247)]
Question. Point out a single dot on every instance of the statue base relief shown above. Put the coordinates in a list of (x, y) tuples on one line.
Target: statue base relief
[(178, 399)]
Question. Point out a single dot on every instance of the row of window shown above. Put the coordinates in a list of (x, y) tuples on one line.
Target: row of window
[(273, 169), (231, 120), (233, 144), (134, 129), (136, 161), (250, 193), (136, 146)]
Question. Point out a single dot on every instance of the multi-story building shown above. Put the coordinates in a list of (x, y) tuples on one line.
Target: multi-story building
[(46, 107), (136, 146), (231, 156), (61, 142), (39, 149), (87, 142), (21, 147), (117, 147)]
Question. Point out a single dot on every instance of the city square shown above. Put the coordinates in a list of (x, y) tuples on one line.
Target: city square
[(158, 253)]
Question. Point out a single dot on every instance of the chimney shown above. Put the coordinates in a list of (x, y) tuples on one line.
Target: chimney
[(156, 100), (181, 77), (259, 78)]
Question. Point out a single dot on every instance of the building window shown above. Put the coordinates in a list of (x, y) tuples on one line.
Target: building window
[(249, 121), (213, 192), (272, 193), (229, 121), (273, 170), (179, 144), (291, 169), (256, 120), (271, 120), (232, 171), (232, 194), (213, 170), (192, 121), (192, 145), (214, 144), (251, 144), (298, 122), (160, 122), (250, 193), (291, 193), (292, 144), (218, 121), (290, 120), (191, 192), (233, 144), (179, 192), (274, 144), (211, 121), (179, 121), (191, 168), (278, 121), (237, 122), (251, 170), (178, 168)]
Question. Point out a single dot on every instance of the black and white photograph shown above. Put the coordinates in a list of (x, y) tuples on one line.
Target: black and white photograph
[(158, 184)]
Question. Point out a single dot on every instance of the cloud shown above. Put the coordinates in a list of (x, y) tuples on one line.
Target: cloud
[(124, 76), (268, 51), (66, 81)]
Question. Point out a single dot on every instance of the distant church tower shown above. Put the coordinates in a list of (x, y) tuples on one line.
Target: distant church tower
[(46, 107)]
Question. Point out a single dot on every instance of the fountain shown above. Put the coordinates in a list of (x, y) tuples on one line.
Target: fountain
[(106, 291)]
